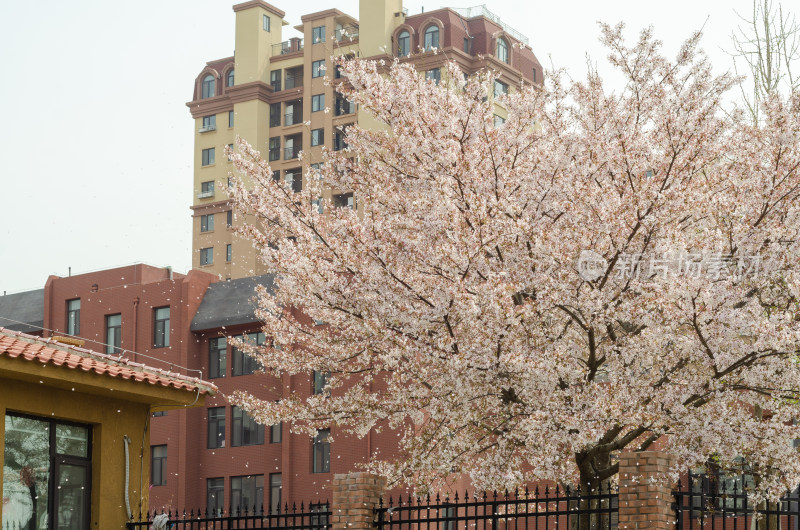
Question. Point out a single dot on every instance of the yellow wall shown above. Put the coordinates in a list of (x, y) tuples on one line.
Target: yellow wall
[(112, 406)]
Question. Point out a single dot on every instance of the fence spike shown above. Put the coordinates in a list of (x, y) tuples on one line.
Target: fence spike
[(437, 498), (391, 501), (546, 490)]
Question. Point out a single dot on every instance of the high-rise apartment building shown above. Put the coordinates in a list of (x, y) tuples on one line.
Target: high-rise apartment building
[(272, 93)]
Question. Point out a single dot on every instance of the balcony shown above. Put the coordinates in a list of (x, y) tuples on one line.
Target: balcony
[(347, 33), (294, 78), (294, 113), (288, 46), (291, 152), (205, 194)]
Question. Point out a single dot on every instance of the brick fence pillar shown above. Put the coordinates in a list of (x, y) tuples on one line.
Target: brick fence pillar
[(645, 494), (353, 498)]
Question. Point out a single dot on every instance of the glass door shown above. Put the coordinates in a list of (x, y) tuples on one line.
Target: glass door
[(72, 496)]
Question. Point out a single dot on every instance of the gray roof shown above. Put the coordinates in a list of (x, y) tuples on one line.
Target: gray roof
[(230, 303), (23, 311)]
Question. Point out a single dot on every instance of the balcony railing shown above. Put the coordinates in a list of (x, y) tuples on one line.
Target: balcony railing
[(292, 118), (346, 33), (481, 11), (287, 46), (291, 152)]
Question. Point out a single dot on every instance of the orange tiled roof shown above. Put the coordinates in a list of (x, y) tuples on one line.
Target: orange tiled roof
[(15, 344)]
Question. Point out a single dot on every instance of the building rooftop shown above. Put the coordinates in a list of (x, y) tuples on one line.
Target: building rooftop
[(230, 303), (23, 311), (17, 345)]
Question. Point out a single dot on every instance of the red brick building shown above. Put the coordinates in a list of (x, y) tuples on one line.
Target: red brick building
[(213, 456)]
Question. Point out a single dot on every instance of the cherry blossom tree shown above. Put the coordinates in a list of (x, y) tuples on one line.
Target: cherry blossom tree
[(604, 271)]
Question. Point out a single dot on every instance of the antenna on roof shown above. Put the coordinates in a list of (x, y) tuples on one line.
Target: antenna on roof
[(70, 271)]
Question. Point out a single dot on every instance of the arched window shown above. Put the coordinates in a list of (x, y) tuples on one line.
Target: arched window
[(230, 78), (502, 50), (431, 37), (209, 87), (403, 44)]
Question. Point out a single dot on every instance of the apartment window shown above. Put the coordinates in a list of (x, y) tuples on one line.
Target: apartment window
[(215, 496), (265, 22), (317, 137), (158, 465), (274, 114), (498, 120), (208, 156), (500, 88), (247, 493), (292, 145), (245, 429), (207, 256), (434, 75), (209, 123), (216, 427), (58, 456), (276, 433), (343, 106), (229, 218), (161, 327), (343, 200), (275, 80), (319, 205), (208, 88), (217, 357), (228, 252), (230, 78), (207, 223), (275, 487), (206, 189), (274, 148), (318, 34), (339, 140), (230, 118), (294, 112), (501, 50), (403, 43), (295, 179), (534, 75), (320, 381), (431, 37), (317, 102), (159, 413), (74, 317), (318, 68), (230, 156), (113, 333), (243, 364), (466, 45), (321, 449)]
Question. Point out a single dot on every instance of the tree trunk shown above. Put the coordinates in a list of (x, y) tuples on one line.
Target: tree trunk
[(592, 482)]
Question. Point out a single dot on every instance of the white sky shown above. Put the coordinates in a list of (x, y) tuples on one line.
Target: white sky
[(96, 151)]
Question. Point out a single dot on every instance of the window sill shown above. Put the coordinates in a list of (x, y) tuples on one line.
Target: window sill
[(209, 165)]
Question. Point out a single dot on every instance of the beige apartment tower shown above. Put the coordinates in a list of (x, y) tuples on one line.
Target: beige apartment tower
[(272, 93)]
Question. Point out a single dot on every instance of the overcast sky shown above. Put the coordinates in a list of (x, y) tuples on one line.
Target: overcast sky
[(96, 150)]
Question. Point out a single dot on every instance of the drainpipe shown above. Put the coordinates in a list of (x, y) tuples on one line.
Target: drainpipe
[(135, 325)]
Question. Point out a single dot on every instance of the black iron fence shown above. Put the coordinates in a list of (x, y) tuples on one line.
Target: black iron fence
[(720, 503), (540, 509), (311, 517)]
